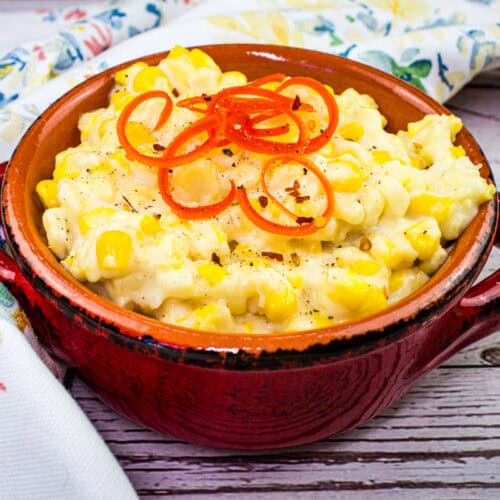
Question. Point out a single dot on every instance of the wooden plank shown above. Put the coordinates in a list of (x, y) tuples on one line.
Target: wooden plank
[(487, 80), (330, 472), (415, 493), (478, 102)]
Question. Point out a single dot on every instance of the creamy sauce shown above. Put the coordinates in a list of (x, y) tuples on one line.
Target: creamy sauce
[(398, 199)]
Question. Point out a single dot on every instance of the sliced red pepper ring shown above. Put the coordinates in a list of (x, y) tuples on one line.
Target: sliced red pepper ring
[(243, 137), (273, 227), (310, 166), (331, 106), (197, 103), (125, 115), (208, 124), (187, 212), (267, 131), (168, 158), (233, 115)]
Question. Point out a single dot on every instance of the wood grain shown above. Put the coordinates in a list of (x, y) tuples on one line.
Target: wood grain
[(440, 441)]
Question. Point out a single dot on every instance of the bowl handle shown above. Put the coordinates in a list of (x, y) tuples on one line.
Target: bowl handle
[(21, 288)]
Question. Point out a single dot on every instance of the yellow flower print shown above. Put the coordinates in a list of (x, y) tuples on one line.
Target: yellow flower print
[(313, 5), (409, 10), (268, 27)]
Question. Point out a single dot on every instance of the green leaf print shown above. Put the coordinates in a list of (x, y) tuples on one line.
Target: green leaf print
[(412, 73), (420, 68)]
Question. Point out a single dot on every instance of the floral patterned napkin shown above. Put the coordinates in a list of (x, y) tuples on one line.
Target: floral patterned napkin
[(436, 46)]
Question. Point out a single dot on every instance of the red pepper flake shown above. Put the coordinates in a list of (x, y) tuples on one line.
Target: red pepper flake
[(365, 244), (2, 387), (295, 259), (263, 201), (296, 103), (301, 199), (158, 147), (273, 255), (294, 187), (216, 259), (175, 92), (304, 220)]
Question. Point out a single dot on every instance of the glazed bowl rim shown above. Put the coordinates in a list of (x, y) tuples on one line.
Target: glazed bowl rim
[(53, 280)]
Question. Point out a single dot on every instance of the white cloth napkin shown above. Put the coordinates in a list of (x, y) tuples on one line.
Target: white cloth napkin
[(48, 447)]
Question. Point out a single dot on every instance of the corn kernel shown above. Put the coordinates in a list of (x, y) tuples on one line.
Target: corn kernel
[(358, 296), (201, 59), (150, 225), (120, 99), (65, 170), (424, 237), (456, 126), (114, 249), (353, 131), (394, 255), (211, 316), (47, 191), (457, 151), (320, 320), (271, 85), (432, 205), (280, 303), (416, 127), (147, 79), (177, 52), (397, 280), (102, 168), (219, 234), (329, 88), (138, 134), (328, 150), (119, 159), (102, 127), (212, 273), (296, 280), (233, 78), (86, 124), (255, 204), (350, 180), (94, 219), (122, 75), (305, 209), (417, 162), (55, 222), (381, 156), (365, 267)]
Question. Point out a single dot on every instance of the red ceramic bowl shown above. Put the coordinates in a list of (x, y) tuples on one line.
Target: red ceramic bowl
[(240, 390)]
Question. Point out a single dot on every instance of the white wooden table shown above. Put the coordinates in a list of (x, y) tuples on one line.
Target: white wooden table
[(441, 441)]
